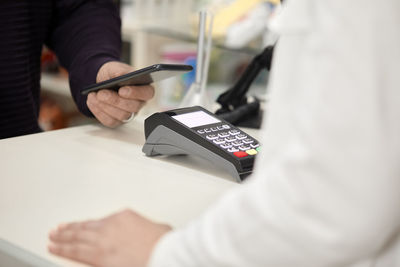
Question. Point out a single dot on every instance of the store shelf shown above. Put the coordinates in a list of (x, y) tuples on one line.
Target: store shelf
[(129, 29)]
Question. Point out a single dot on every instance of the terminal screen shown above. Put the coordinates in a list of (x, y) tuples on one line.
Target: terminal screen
[(196, 119)]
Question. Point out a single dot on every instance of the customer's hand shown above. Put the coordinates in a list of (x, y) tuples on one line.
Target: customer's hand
[(122, 239), (112, 108)]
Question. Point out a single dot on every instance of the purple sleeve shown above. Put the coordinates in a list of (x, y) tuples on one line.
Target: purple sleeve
[(86, 34)]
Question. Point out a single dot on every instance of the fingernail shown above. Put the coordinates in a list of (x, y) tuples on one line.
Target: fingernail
[(62, 226), (53, 234), (52, 248)]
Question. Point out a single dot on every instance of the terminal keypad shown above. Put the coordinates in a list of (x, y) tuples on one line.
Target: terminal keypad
[(232, 140)]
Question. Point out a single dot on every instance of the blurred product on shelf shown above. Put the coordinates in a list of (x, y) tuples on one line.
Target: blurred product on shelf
[(172, 89), (248, 28), (51, 116), (50, 64), (229, 12), (57, 109), (166, 13), (239, 22)]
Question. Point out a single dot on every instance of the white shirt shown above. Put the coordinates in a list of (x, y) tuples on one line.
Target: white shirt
[(326, 190)]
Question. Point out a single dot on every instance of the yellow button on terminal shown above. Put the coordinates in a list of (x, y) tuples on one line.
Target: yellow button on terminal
[(251, 152)]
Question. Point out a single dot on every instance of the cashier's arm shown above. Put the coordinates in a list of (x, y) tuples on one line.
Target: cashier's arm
[(112, 108)]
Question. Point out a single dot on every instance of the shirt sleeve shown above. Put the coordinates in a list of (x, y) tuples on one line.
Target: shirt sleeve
[(85, 35), (326, 186)]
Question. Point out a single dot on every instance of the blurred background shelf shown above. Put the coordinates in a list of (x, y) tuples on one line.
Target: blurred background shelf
[(164, 31), (55, 83)]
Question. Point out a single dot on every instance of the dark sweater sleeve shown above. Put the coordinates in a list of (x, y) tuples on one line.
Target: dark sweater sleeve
[(85, 35)]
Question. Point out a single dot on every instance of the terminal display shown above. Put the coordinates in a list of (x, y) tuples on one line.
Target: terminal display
[(195, 119)]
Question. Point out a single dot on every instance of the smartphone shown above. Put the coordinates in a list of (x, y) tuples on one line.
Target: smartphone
[(143, 76)]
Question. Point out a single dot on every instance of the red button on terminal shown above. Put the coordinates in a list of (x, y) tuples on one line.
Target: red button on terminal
[(240, 154)]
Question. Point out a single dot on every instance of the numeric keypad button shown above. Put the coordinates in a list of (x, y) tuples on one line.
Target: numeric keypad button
[(255, 145), (226, 146), (248, 141), (244, 148), (212, 136), (219, 141), (241, 136), (234, 132), (237, 143), (233, 149), (230, 139), (220, 128), (223, 134)]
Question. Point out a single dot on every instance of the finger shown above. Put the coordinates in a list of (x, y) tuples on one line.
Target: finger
[(79, 252), (113, 99), (104, 118), (74, 235), (113, 69), (144, 93), (71, 226), (114, 112), (92, 225), (89, 224), (124, 215), (121, 70)]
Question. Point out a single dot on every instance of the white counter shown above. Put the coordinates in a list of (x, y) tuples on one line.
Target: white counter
[(91, 171)]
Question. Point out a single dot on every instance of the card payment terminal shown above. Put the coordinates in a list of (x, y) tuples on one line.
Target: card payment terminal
[(196, 131)]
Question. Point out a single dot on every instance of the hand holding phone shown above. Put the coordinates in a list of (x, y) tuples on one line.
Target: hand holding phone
[(113, 99), (113, 108)]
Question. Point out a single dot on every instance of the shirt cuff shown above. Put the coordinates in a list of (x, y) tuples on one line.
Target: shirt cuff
[(162, 254)]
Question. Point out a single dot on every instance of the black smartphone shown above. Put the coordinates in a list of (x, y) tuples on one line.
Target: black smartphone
[(143, 76)]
